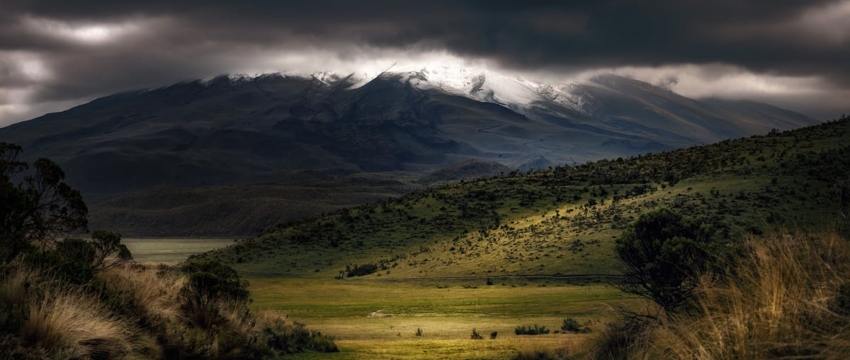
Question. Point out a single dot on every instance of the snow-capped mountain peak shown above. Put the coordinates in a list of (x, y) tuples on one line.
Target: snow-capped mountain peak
[(483, 85), (473, 82)]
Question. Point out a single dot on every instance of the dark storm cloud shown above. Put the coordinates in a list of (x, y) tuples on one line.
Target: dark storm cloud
[(90, 48), (521, 33)]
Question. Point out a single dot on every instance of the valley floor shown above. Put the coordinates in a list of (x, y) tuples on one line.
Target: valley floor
[(374, 318), (379, 319), (171, 250)]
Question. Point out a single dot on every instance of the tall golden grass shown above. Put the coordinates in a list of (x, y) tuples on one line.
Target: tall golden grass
[(787, 298), (132, 312), (153, 293), (65, 318), (56, 319)]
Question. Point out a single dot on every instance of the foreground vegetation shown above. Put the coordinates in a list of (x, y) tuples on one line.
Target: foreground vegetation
[(787, 298), (69, 297), (132, 311)]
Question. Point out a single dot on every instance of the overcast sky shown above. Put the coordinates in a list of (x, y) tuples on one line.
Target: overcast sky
[(55, 54)]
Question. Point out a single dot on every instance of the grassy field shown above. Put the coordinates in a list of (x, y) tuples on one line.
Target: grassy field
[(378, 319)]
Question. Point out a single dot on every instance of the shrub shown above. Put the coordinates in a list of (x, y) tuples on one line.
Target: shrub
[(493, 335), (284, 338), (476, 335), (663, 254), (73, 260), (531, 330), (77, 260), (108, 244), (210, 285), (360, 270), (418, 331), (570, 325)]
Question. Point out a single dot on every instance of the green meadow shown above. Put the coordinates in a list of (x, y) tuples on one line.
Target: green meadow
[(379, 319)]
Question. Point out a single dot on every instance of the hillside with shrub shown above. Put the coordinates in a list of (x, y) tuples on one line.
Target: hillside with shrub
[(563, 221)]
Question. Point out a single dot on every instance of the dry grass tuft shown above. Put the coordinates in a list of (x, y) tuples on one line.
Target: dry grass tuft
[(13, 288), (154, 293), (788, 298), (132, 311), (65, 318)]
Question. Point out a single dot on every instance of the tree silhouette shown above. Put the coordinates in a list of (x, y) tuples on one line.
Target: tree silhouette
[(35, 208)]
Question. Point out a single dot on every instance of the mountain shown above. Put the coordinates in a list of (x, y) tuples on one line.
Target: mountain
[(562, 222), (397, 126)]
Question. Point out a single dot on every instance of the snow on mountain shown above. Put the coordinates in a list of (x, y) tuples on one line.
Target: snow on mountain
[(475, 83), (486, 85), (327, 78)]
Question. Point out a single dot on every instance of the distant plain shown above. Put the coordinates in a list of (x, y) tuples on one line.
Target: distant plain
[(171, 250)]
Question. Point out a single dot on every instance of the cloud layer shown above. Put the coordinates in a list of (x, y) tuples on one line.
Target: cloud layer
[(54, 54)]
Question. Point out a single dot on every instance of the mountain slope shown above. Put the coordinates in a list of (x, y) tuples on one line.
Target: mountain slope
[(562, 221), (232, 131)]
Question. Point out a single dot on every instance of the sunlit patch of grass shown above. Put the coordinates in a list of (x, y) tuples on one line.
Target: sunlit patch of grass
[(379, 319)]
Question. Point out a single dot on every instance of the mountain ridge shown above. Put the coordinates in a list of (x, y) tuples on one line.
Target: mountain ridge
[(236, 131)]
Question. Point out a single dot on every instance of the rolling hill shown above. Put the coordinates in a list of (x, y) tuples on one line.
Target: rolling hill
[(562, 221)]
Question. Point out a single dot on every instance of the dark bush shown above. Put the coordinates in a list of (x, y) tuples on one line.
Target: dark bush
[(294, 339), (208, 286), (663, 253), (73, 260), (76, 260), (531, 330), (360, 270), (570, 325)]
